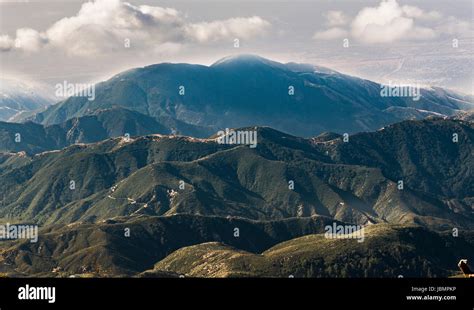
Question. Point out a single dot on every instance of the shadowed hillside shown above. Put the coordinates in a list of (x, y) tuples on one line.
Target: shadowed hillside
[(103, 249)]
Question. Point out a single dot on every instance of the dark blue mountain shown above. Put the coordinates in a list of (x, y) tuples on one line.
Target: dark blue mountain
[(249, 90)]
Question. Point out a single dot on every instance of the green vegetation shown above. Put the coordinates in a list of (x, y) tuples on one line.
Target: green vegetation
[(387, 251), (352, 182)]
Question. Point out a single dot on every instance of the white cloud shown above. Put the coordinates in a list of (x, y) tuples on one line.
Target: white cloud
[(390, 22), (331, 34), (6, 43), (244, 28), (104, 25), (29, 39), (386, 23), (416, 12), (336, 18)]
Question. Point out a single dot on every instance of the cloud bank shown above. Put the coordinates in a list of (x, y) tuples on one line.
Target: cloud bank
[(391, 22), (106, 25)]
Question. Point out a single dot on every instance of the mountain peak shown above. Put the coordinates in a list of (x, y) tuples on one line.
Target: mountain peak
[(244, 59)]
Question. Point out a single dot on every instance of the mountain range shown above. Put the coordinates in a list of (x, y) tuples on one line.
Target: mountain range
[(355, 181), (144, 156), (248, 90)]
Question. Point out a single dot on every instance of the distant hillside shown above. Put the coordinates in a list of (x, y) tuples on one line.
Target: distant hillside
[(248, 90), (19, 98), (101, 125)]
